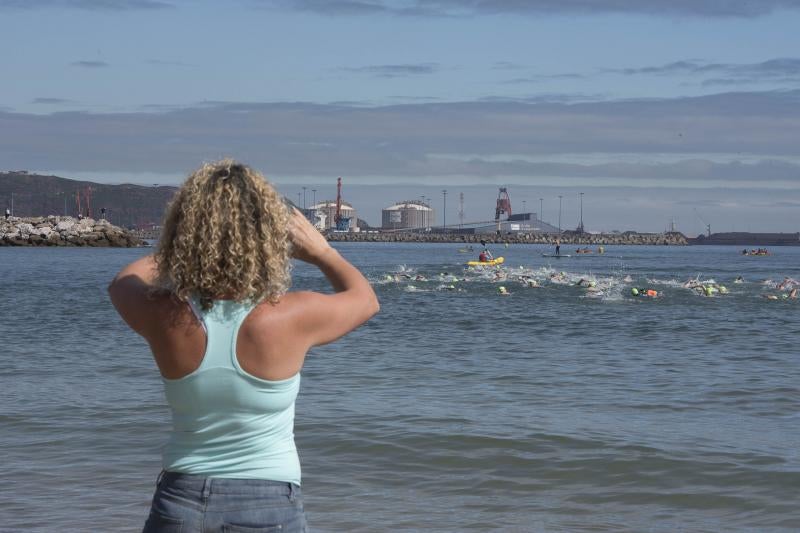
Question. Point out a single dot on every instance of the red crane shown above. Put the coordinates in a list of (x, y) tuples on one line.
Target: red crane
[(340, 223), (338, 216)]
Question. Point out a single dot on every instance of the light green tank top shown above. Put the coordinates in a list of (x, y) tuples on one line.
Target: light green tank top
[(226, 422)]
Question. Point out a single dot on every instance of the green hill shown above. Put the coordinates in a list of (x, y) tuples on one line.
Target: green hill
[(126, 205)]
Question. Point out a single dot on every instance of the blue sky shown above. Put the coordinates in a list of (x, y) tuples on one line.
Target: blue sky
[(654, 108)]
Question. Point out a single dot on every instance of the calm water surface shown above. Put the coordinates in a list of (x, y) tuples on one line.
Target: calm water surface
[(455, 409)]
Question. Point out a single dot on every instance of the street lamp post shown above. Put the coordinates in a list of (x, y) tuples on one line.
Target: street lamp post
[(314, 198), (523, 207), (541, 208), (444, 210), (559, 213), (581, 225), (304, 198)]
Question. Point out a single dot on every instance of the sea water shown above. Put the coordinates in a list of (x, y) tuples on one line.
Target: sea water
[(552, 408)]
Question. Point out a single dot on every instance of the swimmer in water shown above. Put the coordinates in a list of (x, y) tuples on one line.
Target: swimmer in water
[(420, 277), (739, 279), (502, 291), (791, 296), (646, 293), (627, 279)]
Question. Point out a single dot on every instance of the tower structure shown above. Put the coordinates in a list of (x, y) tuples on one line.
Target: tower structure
[(503, 204)]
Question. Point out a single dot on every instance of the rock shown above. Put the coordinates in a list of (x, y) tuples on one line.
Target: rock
[(64, 225), (25, 229)]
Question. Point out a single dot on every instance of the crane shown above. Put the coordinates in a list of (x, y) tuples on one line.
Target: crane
[(706, 224), (341, 223)]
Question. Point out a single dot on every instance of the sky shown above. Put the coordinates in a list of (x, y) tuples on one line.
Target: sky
[(656, 110)]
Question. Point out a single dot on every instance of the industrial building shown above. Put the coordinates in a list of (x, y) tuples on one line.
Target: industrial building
[(325, 214), (409, 214), (519, 223)]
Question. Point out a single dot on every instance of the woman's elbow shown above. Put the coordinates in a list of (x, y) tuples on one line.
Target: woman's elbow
[(375, 305)]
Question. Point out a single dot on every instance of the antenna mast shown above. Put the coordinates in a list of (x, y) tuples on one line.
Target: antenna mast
[(461, 210)]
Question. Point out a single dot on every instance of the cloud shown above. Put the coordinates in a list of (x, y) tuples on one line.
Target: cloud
[(394, 71), (539, 78), (89, 5), (781, 70), (693, 8), (50, 101), (479, 141), (90, 64)]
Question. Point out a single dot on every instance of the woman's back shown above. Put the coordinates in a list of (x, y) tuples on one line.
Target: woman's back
[(228, 423)]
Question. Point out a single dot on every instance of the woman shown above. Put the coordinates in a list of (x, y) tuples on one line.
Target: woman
[(229, 342)]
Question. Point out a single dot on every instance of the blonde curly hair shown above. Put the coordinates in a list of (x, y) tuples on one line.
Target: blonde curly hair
[(225, 235)]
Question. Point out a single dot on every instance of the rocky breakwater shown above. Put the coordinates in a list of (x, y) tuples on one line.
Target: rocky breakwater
[(566, 239), (64, 231)]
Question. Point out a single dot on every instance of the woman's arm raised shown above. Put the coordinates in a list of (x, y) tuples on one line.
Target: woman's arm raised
[(323, 318)]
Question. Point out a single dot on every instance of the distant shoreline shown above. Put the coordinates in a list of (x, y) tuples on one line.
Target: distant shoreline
[(565, 239)]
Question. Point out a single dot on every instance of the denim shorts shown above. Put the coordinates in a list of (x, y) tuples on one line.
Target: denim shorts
[(191, 503)]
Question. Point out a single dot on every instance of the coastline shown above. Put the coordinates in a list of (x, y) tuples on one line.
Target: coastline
[(566, 239)]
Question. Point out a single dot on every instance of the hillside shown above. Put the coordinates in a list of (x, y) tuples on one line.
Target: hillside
[(126, 205)]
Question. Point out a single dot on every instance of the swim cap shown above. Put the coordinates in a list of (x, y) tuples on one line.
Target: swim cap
[(635, 291), (592, 283)]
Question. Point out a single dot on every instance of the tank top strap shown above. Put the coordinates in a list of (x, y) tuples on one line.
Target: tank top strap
[(221, 324)]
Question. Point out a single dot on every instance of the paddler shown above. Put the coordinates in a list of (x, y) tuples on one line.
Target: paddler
[(485, 256)]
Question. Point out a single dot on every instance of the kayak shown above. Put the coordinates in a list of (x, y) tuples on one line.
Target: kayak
[(497, 261), (556, 256)]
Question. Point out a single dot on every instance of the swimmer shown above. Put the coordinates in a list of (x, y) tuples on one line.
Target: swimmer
[(739, 279), (627, 279), (420, 277), (692, 284), (583, 282), (647, 293), (502, 291)]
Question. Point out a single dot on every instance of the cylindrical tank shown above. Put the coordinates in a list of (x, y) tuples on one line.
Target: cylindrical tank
[(407, 215)]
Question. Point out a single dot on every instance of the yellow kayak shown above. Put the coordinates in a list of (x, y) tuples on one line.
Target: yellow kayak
[(498, 261)]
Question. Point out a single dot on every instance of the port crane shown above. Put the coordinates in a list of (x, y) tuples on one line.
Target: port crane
[(706, 224), (341, 223)]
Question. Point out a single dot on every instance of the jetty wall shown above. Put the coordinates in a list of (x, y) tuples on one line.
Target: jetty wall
[(566, 239), (64, 231)]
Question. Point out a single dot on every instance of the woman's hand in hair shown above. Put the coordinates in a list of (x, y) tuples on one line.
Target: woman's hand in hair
[(308, 244)]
